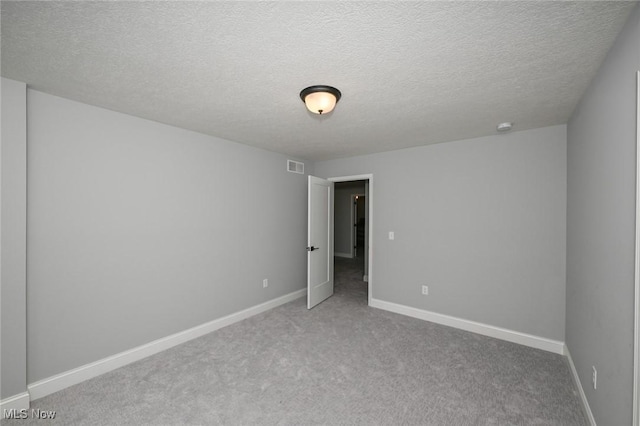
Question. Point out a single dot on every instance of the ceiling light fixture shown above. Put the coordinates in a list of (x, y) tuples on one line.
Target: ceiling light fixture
[(504, 127), (320, 99)]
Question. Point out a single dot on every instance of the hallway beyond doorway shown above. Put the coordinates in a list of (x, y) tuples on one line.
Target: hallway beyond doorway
[(348, 277)]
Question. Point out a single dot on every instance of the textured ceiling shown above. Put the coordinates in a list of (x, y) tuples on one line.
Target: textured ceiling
[(411, 73)]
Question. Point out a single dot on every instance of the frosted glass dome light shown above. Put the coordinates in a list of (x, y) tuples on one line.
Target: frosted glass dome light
[(320, 99)]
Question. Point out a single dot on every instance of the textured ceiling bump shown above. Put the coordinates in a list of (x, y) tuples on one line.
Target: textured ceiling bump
[(411, 73)]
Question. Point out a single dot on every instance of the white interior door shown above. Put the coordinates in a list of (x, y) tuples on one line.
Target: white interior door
[(319, 241)]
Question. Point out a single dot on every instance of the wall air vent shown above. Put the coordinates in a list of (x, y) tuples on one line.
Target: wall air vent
[(295, 167)]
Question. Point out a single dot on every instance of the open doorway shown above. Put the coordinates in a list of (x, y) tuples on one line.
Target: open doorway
[(352, 230)]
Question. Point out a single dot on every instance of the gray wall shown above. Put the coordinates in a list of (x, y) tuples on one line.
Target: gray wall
[(343, 220), (13, 240), (137, 230), (600, 232), (481, 221)]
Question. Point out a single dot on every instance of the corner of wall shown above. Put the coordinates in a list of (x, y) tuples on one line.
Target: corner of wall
[(13, 241)]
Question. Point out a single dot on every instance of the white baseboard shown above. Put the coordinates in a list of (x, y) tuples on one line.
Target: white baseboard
[(16, 402), (347, 255), (61, 381), (475, 327), (583, 396)]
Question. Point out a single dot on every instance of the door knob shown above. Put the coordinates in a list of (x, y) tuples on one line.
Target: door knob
[(312, 248)]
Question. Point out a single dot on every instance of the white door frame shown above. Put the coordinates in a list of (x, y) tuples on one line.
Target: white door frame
[(636, 342), (368, 177)]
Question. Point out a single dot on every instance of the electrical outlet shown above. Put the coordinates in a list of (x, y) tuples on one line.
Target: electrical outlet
[(265, 283), (425, 290), (594, 377)]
